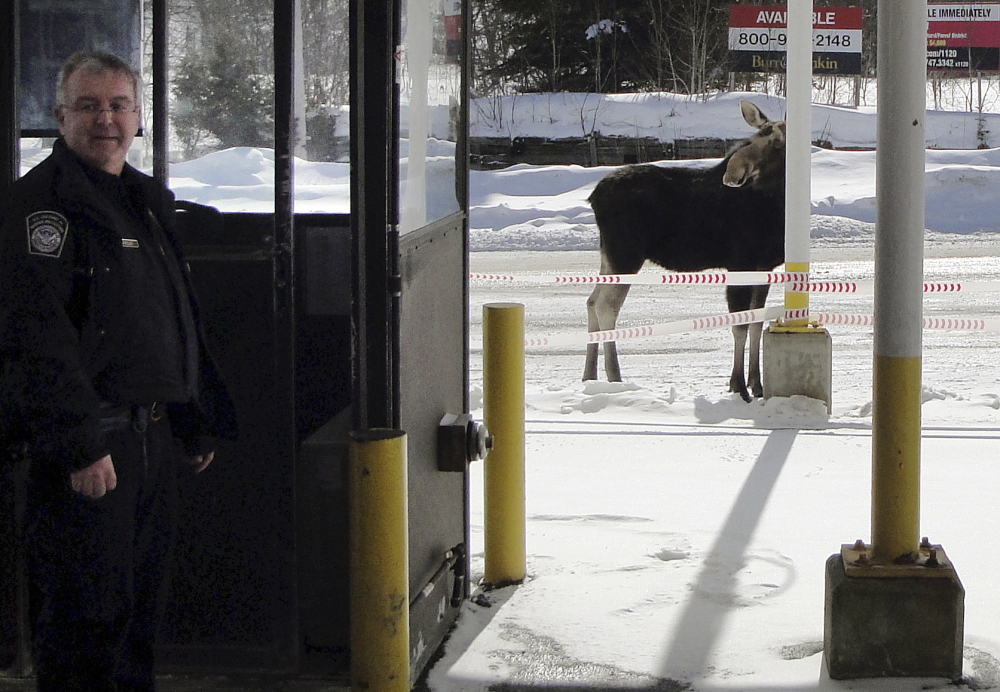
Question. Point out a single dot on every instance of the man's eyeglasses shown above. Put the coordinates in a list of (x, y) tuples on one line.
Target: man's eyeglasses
[(94, 109)]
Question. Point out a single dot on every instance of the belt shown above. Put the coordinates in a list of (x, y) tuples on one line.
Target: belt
[(136, 415)]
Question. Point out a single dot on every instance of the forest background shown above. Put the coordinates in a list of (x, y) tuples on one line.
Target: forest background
[(222, 60)]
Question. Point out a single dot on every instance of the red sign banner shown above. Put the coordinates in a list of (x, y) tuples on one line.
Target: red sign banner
[(963, 36)]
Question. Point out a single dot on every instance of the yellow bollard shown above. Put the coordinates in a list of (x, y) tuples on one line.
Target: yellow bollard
[(503, 415), (379, 564), (895, 458)]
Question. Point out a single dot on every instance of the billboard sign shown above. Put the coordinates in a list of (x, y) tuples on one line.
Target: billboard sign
[(453, 31), (963, 36), (758, 39)]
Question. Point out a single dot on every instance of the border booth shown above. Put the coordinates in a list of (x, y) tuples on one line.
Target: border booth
[(323, 323)]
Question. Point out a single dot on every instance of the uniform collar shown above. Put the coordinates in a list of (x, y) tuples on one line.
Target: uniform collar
[(77, 191)]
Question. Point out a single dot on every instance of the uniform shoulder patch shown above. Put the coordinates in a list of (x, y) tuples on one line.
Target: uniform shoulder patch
[(47, 231)]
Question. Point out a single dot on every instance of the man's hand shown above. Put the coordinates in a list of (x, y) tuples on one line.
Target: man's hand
[(200, 462), (95, 480)]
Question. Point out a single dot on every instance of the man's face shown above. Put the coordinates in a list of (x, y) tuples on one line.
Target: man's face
[(99, 118)]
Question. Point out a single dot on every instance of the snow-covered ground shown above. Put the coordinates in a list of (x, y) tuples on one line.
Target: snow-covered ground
[(667, 116), (675, 533)]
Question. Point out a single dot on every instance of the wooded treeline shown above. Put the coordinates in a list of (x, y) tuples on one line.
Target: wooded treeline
[(607, 46), (222, 52)]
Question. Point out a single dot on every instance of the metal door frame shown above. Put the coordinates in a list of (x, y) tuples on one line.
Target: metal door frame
[(383, 277), (374, 156)]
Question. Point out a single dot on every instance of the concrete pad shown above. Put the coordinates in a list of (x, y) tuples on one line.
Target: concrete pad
[(798, 363), (893, 626)]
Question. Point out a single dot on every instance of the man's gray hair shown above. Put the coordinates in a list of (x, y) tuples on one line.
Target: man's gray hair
[(94, 61)]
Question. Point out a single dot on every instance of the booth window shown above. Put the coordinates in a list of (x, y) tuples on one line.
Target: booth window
[(221, 103), (430, 81)]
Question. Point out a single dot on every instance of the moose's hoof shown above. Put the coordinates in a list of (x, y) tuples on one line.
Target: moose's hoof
[(741, 389)]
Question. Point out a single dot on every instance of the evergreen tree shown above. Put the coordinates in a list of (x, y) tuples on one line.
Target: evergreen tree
[(223, 94)]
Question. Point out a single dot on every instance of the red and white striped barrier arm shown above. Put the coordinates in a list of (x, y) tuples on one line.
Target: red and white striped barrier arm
[(730, 319), (947, 323), (747, 317), (797, 282), (832, 287), (796, 315), (868, 287), (961, 287), (726, 278)]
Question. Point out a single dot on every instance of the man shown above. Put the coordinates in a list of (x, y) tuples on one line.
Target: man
[(98, 318)]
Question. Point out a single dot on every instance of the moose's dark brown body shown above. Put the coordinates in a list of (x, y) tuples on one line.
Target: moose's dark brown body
[(730, 216)]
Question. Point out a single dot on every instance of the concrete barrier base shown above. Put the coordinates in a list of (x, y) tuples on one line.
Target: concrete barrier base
[(883, 623), (798, 362)]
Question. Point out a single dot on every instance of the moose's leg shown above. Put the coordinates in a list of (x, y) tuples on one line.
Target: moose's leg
[(739, 298), (590, 367), (603, 307), (737, 381), (754, 380)]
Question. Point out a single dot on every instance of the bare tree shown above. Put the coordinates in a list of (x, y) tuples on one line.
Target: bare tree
[(326, 39), (658, 68), (702, 25)]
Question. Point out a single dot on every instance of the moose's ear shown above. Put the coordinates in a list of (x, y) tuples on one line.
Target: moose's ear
[(753, 115)]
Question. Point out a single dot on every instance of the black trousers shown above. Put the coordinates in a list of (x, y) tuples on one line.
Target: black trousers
[(99, 568)]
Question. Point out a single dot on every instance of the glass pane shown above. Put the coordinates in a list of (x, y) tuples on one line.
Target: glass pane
[(222, 103), (52, 31), (322, 151), (430, 81), (33, 151)]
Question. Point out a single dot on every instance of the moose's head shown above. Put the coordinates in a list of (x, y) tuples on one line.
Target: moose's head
[(759, 161)]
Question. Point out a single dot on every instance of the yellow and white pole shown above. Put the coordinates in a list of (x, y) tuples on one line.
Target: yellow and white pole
[(798, 154), (798, 354), (379, 563), (503, 415), (899, 235)]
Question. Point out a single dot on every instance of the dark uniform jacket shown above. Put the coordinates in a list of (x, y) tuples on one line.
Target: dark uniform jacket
[(62, 326)]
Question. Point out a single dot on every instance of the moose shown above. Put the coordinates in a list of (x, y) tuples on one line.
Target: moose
[(730, 216)]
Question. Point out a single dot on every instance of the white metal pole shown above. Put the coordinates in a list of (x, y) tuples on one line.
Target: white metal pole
[(798, 153), (899, 233)]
